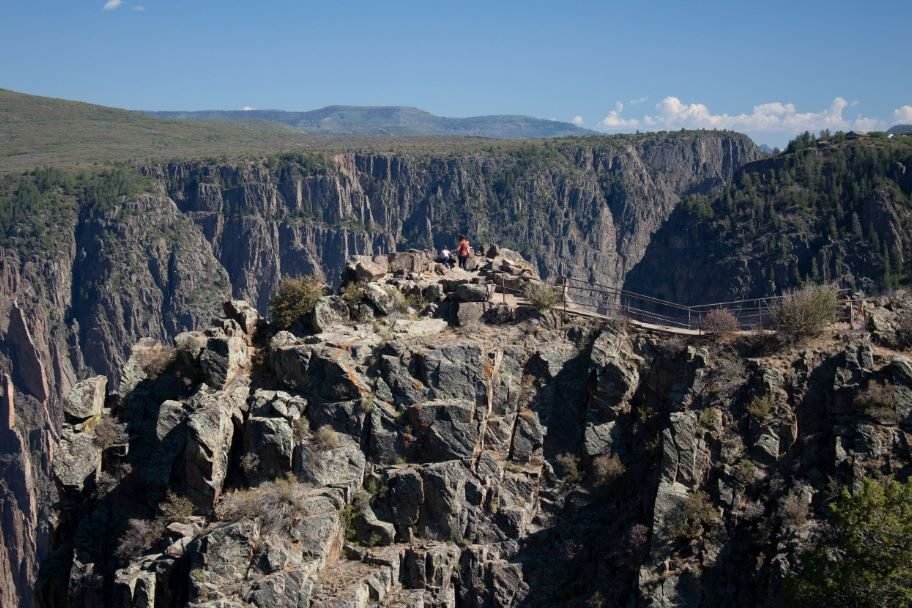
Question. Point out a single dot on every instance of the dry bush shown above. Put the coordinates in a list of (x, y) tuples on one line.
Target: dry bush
[(139, 537), (805, 312), (176, 508), (327, 438), (353, 293), (249, 462), (878, 401), (569, 465), (278, 505), (794, 508), (720, 321), (109, 432), (155, 359), (607, 469), (295, 298), (693, 517), (542, 297), (300, 429), (637, 541)]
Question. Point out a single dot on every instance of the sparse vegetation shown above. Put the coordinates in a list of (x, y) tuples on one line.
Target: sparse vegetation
[(139, 537), (249, 462), (865, 557), (277, 504), (295, 298), (326, 438), (300, 429), (794, 508), (805, 312), (569, 465), (353, 293), (720, 321), (606, 470), (155, 359), (176, 508), (745, 472), (878, 401), (109, 432), (693, 517), (761, 408), (542, 297)]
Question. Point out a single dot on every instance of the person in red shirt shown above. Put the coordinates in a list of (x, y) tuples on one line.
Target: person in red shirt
[(462, 251)]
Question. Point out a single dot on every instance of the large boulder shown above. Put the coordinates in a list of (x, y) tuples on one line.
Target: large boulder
[(86, 399), (78, 459), (210, 429), (328, 312), (246, 316), (410, 261), (470, 292), (385, 299), (222, 360), (268, 448), (369, 270)]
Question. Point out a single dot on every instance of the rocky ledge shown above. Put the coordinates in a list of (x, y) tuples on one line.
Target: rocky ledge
[(409, 448)]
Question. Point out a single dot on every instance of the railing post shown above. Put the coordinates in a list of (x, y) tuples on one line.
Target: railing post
[(688, 318), (564, 294), (503, 289)]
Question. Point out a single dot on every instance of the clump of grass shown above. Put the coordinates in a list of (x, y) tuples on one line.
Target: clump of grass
[(326, 438), (278, 505), (878, 401), (569, 465)]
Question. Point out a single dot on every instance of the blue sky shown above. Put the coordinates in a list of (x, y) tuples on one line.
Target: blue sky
[(768, 68)]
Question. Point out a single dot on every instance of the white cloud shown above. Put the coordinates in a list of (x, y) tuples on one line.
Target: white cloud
[(903, 114), (247, 108), (111, 5), (770, 117), (638, 100), (614, 120), (577, 120)]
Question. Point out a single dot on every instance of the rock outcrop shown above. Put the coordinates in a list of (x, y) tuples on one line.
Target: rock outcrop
[(412, 461)]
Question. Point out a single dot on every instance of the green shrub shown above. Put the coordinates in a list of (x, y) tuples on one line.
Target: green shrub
[(295, 298), (542, 297), (353, 293), (693, 517), (762, 408), (865, 558), (720, 321), (805, 312)]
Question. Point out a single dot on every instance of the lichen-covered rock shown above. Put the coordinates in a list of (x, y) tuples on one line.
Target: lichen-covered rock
[(222, 360), (86, 399), (246, 316), (78, 460), (328, 312)]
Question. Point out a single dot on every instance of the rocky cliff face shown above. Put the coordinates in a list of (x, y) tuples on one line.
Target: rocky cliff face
[(82, 281), (406, 462)]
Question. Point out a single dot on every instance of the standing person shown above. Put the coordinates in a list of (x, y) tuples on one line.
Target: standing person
[(462, 251)]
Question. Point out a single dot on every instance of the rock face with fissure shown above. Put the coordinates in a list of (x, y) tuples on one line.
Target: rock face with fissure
[(520, 464)]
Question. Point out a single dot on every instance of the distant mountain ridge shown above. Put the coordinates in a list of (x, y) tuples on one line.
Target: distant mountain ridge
[(391, 120), (900, 129)]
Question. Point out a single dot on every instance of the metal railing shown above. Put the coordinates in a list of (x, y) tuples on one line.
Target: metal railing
[(592, 299)]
